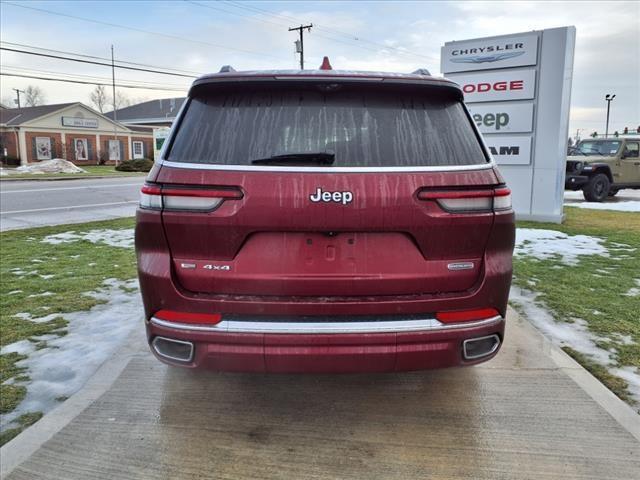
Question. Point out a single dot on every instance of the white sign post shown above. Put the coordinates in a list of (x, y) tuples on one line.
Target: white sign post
[(518, 91)]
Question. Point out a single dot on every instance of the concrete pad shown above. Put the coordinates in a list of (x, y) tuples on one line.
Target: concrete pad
[(522, 415)]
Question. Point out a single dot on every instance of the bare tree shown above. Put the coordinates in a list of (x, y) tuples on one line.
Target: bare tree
[(99, 98), (122, 100), (34, 96)]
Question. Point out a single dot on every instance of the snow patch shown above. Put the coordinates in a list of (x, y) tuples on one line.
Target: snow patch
[(633, 291), (23, 347), (625, 201), (43, 294), (544, 244), (28, 316), (116, 238), (575, 335), (64, 365), (55, 165), (632, 376)]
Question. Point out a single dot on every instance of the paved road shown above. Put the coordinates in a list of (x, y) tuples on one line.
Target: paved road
[(38, 203), (531, 413)]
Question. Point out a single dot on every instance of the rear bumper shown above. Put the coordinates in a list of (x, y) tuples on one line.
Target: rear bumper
[(347, 347), (575, 182)]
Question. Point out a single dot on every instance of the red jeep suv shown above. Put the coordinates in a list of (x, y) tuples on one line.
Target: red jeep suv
[(324, 221)]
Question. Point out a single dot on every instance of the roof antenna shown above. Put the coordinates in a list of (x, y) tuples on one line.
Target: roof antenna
[(325, 64), (422, 71), (227, 69)]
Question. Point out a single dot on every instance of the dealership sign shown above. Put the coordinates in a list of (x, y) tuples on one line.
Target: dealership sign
[(80, 122), (506, 117), (517, 89), (509, 150), (497, 86), (489, 54)]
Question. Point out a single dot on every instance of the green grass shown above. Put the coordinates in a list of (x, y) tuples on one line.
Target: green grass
[(23, 422), (77, 267), (92, 171), (593, 290)]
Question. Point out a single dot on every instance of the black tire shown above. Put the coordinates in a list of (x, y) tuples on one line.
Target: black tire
[(597, 189), (613, 192)]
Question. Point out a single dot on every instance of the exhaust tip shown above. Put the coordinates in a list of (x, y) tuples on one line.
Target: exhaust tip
[(171, 349), (479, 347)]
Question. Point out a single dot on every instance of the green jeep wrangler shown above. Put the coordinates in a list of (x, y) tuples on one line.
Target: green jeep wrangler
[(601, 167)]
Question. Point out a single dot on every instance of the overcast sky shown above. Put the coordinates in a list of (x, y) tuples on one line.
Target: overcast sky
[(201, 36)]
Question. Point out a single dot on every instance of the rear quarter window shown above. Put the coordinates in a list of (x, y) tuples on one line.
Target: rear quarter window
[(365, 128)]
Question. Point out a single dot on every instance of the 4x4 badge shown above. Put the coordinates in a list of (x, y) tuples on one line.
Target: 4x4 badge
[(216, 267), (338, 197)]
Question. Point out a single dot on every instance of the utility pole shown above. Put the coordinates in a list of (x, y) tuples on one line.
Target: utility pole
[(115, 115), (18, 93), (608, 98), (300, 47)]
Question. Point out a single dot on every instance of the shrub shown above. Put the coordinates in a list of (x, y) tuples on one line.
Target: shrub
[(138, 165), (11, 161), (103, 157)]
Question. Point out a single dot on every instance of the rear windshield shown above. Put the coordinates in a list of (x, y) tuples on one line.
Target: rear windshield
[(360, 128)]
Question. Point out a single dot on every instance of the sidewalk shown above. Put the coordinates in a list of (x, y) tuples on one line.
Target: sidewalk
[(532, 412)]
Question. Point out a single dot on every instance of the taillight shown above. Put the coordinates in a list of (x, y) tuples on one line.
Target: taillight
[(157, 197), (484, 200), (186, 317), (502, 199), (455, 316)]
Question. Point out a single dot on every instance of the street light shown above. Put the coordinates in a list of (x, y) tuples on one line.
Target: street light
[(609, 98)]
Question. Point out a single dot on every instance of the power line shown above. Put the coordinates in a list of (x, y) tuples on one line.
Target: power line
[(98, 58), (279, 25), (83, 82), (210, 7), (352, 37), (140, 30), (59, 57)]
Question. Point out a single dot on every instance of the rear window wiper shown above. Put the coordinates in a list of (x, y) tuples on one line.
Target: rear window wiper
[(308, 158)]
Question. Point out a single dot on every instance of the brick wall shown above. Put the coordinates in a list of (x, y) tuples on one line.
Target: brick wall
[(9, 140), (147, 148), (58, 150), (92, 151)]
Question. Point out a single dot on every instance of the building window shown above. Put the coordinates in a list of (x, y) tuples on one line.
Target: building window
[(114, 150), (81, 149), (138, 150), (43, 148)]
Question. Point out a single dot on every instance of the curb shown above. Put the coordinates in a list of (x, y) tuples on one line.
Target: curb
[(621, 412)]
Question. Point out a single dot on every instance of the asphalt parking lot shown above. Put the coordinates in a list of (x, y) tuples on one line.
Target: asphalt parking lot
[(529, 413)]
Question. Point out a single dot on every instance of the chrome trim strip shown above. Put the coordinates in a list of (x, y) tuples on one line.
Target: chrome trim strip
[(460, 266), (474, 357), (275, 168), (234, 326), (173, 340)]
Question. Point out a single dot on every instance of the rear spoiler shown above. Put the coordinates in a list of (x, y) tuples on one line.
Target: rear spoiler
[(304, 79)]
